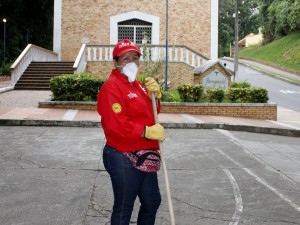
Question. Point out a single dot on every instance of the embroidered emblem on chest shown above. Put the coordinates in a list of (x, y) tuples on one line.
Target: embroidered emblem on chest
[(132, 95)]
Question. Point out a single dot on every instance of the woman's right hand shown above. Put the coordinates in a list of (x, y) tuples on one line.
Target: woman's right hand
[(155, 132)]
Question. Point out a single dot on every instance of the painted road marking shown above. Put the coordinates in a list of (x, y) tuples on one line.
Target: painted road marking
[(289, 92), (70, 114), (238, 199), (262, 181), (256, 177)]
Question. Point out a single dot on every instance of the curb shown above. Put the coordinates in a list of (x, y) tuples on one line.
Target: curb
[(85, 124), (49, 123)]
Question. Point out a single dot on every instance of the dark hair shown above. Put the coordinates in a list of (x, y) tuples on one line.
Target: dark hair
[(116, 58)]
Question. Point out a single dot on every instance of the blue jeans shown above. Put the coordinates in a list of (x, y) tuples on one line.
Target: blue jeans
[(128, 183)]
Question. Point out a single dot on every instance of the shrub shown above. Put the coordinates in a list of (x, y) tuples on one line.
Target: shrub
[(251, 95), (75, 87), (141, 78), (190, 92), (240, 85), (168, 96), (215, 94), (258, 95), (5, 69), (238, 94)]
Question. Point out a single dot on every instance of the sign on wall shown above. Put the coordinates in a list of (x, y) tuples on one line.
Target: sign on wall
[(215, 79)]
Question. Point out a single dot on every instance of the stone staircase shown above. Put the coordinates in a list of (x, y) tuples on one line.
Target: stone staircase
[(38, 74)]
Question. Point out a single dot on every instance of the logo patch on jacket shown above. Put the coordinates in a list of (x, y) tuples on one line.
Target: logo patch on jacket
[(116, 107), (132, 95)]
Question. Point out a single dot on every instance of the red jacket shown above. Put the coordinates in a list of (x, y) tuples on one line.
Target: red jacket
[(125, 109)]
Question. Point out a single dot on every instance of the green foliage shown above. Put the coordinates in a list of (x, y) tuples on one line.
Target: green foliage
[(248, 22), (170, 96), (251, 95), (215, 94), (75, 87), (284, 52), (5, 69), (279, 18), (240, 84), (30, 18), (141, 78), (238, 94), (167, 96), (151, 68), (190, 92), (258, 95), (293, 17)]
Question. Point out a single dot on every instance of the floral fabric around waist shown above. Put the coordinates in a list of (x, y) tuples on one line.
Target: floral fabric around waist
[(145, 160)]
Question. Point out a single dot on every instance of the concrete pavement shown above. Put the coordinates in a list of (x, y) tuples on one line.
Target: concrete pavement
[(55, 176), (51, 171)]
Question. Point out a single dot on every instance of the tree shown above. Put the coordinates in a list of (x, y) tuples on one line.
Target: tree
[(32, 19), (279, 18), (226, 26), (248, 22)]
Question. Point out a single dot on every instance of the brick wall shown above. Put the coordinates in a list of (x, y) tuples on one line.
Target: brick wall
[(244, 110), (262, 111), (89, 22)]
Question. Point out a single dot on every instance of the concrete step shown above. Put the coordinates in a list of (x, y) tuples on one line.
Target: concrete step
[(38, 74)]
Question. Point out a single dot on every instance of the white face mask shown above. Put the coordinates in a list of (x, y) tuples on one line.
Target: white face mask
[(130, 70)]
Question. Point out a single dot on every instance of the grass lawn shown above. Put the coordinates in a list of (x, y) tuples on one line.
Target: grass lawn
[(284, 52)]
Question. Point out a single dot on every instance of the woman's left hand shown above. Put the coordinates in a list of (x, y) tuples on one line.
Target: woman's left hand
[(152, 86)]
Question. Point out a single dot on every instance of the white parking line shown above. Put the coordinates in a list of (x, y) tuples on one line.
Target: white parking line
[(238, 199), (70, 114)]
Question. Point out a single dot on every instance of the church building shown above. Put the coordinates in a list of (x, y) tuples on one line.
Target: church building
[(93, 27)]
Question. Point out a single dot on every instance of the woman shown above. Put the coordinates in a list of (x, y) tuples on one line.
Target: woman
[(129, 125)]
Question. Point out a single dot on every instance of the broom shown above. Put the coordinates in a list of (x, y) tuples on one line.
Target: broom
[(164, 165)]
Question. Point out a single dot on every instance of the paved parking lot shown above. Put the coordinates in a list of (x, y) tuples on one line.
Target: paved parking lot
[(55, 175)]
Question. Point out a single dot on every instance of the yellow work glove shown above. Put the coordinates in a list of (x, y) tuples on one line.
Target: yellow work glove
[(152, 86), (155, 132)]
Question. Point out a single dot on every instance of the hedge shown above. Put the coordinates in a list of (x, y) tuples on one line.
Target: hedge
[(75, 87)]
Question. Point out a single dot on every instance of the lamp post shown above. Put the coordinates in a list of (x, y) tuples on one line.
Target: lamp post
[(166, 68), (4, 37), (236, 40)]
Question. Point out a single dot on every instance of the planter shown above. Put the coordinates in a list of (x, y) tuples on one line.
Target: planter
[(264, 111)]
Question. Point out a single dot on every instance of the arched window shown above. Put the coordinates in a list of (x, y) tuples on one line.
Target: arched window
[(133, 25), (135, 30)]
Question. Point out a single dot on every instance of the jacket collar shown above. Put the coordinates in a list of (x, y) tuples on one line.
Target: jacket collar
[(120, 76)]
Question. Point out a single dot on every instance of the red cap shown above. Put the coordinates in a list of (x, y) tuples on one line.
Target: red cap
[(125, 46)]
